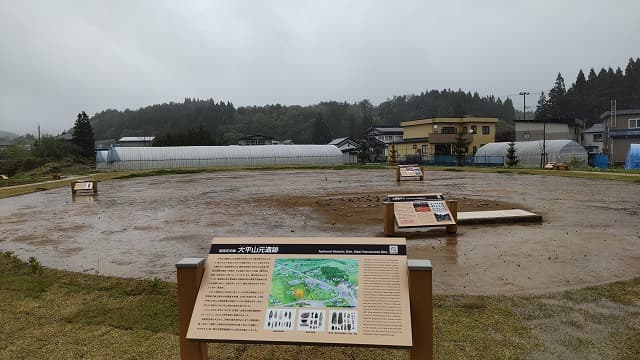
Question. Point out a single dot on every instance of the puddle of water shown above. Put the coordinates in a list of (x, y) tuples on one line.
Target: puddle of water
[(141, 227)]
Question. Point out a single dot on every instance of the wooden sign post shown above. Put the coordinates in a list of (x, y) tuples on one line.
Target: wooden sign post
[(319, 292), (84, 187), (419, 210), (409, 172)]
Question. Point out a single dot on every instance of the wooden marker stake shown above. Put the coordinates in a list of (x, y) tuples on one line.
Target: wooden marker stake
[(421, 299), (453, 208), (190, 271)]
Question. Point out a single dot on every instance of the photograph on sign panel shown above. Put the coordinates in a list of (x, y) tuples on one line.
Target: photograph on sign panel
[(319, 283)]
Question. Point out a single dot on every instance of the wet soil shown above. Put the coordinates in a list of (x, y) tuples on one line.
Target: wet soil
[(141, 227)]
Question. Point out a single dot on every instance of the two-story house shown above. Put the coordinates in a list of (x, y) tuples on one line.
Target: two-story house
[(621, 131), (550, 129), (437, 136), (593, 139)]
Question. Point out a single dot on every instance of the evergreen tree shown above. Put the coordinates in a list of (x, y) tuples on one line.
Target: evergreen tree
[(321, 132), (461, 148), (542, 110), (512, 157), (83, 136), (557, 100), (581, 82)]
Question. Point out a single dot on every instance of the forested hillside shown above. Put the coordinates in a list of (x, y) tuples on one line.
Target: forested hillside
[(303, 124), (590, 96)]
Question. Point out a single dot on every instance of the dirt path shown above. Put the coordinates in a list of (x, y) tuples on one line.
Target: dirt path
[(141, 227)]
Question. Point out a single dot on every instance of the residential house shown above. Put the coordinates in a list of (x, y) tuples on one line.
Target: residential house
[(592, 140), (550, 129), (349, 148), (135, 141), (620, 131), (256, 140), (384, 134), (437, 136)]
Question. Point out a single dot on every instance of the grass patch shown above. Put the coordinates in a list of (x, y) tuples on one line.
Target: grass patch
[(58, 314)]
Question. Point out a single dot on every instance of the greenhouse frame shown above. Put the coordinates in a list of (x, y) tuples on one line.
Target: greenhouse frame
[(529, 153), (136, 158)]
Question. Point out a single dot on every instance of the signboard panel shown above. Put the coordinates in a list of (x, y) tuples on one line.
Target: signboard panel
[(419, 210), (304, 290), (88, 185), (410, 171)]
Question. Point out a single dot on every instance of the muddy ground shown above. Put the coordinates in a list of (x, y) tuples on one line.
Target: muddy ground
[(141, 227)]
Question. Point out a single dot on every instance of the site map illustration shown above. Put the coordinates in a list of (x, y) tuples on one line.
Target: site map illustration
[(319, 283)]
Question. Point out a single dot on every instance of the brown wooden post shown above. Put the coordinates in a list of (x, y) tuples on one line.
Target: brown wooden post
[(95, 187), (421, 304), (453, 207), (421, 173), (190, 271), (73, 190), (389, 221), (397, 174)]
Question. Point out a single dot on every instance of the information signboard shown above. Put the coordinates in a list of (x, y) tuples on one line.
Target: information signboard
[(83, 185), (304, 290), (410, 171), (419, 210)]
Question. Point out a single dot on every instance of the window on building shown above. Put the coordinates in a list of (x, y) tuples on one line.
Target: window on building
[(634, 123), (464, 130), (526, 136), (597, 137), (474, 129), (485, 130), (448, 130), (425, 149)]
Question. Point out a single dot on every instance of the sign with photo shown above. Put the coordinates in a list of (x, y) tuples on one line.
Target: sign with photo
[(419, 210)]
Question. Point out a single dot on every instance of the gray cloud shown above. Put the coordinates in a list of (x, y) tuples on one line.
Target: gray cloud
[(57, 58)]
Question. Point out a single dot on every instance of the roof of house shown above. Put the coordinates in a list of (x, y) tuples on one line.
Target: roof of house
[(255, 136), (633, 133), (561, 120), (596, 128), (341, 140), (136, 138), (386, 130), (621, 112)]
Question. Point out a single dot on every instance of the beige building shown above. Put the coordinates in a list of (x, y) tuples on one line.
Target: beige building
[(550, 129), (437, 136), (620, 132)]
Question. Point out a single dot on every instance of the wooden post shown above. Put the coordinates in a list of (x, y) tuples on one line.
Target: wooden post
[(95, 187), (190, 271), (421, 304), (73, 189), (397, 174), (453, 207), (421, 173), (389, 219)]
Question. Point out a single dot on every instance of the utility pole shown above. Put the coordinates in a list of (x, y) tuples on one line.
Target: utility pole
[(524, 104)]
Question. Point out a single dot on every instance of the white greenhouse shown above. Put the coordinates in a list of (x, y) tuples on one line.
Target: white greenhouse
[(529, 153), (133, 158)]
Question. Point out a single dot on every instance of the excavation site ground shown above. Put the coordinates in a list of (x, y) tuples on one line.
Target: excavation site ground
[(140, 227)]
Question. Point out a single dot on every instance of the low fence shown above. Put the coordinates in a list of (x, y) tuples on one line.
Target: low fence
[(451, 160)]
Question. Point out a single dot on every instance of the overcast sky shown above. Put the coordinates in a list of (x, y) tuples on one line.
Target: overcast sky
[(60, 57)]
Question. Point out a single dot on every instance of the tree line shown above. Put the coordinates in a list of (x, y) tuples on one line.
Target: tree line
[(29, 153), (589, 97), (199, 121)]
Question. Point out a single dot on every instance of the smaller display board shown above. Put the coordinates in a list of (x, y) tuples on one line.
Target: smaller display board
[(410, 171), (309, 290), (83, 186), (420, 210)]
